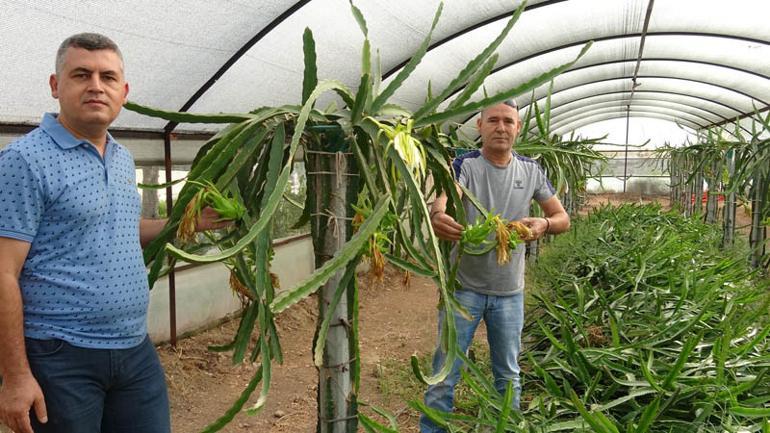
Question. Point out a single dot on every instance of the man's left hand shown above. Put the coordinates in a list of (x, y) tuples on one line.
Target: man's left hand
[(537, 226)]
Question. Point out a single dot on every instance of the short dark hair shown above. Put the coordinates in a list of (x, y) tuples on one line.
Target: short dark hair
[(509, 102), (87, 41)]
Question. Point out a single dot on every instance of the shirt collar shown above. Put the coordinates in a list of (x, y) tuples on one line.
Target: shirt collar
[(61, 136)]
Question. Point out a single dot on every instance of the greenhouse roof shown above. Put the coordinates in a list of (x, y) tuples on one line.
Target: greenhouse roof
[(694, 62)]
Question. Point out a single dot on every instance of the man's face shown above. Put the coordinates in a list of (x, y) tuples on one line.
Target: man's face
[(90, 87), (498, 126)]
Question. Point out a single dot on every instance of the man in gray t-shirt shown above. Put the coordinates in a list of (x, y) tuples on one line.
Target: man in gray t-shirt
[(504, 183)]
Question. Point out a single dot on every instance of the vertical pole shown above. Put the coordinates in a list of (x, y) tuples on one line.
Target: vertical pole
[(169, 206), (728, 235), (715, 189), (150, 196), (337, 404), (672, 189), (625, 158), (698, 202), (758, 230)]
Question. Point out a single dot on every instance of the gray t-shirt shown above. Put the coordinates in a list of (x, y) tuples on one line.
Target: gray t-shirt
[(507, 191)]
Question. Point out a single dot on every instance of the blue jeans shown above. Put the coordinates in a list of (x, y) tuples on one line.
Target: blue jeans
[(504, 317), (99, 390)]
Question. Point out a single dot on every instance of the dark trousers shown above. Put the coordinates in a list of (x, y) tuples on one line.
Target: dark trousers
[(99, 390)]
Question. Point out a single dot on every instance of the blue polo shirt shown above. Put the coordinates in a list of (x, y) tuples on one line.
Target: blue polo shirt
[(84, 279)]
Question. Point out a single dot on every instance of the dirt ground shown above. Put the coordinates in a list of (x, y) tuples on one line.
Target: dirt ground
[(395, 322)]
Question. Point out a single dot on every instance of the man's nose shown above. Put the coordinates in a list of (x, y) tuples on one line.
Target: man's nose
[(95, 83)]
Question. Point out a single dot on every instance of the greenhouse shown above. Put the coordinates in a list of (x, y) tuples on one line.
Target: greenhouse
[(321, 196)]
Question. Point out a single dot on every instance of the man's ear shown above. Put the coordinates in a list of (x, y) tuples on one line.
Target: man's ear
[(54, 83), (125, 93)]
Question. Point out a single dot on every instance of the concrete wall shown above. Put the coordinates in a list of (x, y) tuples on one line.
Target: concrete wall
[(203, 295)]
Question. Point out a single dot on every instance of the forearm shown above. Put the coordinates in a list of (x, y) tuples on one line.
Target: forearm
[(558, 222), (13, 357), (149, 229), (439, 205)]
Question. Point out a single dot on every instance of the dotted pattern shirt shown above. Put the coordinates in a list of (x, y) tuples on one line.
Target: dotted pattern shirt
[(507, 191), (84, 279)]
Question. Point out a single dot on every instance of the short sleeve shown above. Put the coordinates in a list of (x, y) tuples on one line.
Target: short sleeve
[(21, 198), (543, 188), (460, 175)]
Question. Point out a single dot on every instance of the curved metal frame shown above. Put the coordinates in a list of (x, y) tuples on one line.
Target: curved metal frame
[(234, 58), (571, 126), (665, 92), (635, 108), (642, 76), (586, 102), (645, 96), (555, 118)]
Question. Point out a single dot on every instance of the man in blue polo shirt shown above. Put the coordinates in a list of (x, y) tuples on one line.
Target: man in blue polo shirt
[(74, 351), (506, 183)]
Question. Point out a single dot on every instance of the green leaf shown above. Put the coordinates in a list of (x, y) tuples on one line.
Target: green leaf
[(596, 422), (182, 117), (468, 71), (409, 267), (358, 108), (506, 410), (310, 77), (323, 330), (366, 63), (372, 426), (679, 364), (162, 185), (359, 18), (648, 416), (750, 412), (476, 81), (290, 297), (499, 97), (275, 196), (407, 70), (237, 406), (244, 333)]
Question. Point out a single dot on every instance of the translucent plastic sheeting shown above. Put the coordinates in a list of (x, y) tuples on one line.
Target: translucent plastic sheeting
[(170, 49), (741, 90), (703, 106), (643, 133), (697, 50), (619, 167), (593, 118), (651, 104)]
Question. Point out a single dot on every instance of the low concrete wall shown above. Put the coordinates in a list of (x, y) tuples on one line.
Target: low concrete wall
[(203, 295)]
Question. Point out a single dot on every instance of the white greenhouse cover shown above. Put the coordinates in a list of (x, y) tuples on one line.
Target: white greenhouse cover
[(693, 62)]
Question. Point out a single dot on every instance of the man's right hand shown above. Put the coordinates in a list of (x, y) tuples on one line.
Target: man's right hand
[(446, 227), (19, 394)]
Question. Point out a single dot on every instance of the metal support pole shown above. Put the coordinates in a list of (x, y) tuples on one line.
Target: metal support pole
[(758, 230), (715, 190), (625, 159), (728, 235), (169, 206)]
